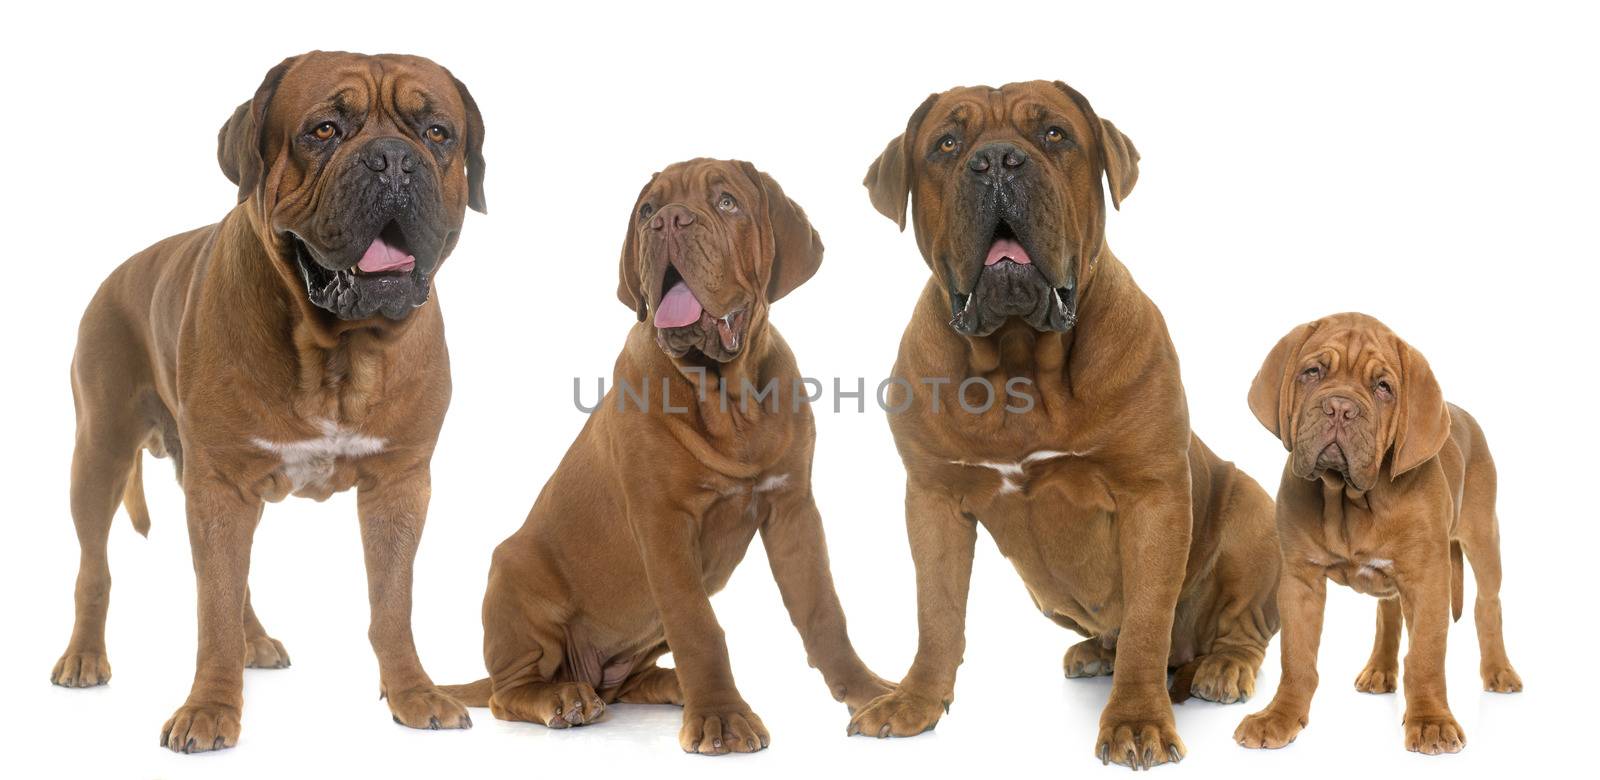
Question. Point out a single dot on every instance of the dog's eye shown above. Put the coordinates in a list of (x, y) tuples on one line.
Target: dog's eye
[(1312, 373), (646, 210), (325, 131), (948, 144), (727, 203), (1384, 389), (437, 134), (1055, 135)]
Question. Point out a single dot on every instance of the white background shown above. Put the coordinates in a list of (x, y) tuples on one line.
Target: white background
[(1433, 165)]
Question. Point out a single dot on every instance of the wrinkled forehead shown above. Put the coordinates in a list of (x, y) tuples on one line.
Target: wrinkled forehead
[(1360, 347), (1021, 105), (698, 180), (358, 84)]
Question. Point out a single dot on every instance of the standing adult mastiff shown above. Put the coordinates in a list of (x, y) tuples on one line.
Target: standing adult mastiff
[(1124, 526), (292, 347)]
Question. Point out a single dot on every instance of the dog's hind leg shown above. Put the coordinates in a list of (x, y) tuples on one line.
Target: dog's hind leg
[(526, 647), (1246, 612), (651, 684), (1480, 540), (1089, 658), (104, 458), (260, 651), (1382, 673), (526, 690)]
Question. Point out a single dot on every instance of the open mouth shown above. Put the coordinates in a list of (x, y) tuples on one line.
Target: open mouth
[(683, 325), (1010, 285), (1005, 248), (384, 281)]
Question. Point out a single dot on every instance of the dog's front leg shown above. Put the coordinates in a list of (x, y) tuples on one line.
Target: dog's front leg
[(393, 506), (1154, 526), (1424, 583), (716, 719), (798, 554), (1302, 596), (222, 523), (942, 540)]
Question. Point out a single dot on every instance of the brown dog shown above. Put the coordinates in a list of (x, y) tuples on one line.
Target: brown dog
[(1124, 527), (290, 348), (1385, 488), (686, 458)]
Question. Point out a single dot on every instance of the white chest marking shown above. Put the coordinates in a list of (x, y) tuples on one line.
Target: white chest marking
[(311, 461), (766, 485), (1010, 472), (1375, 565)]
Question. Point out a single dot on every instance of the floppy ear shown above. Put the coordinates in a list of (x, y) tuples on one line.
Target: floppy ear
[(1424, 423), (1121, 161), (240, 141), (1118, 156), (796, 247), (475, 164), (1271, 393), (888, 179), (630, 290)]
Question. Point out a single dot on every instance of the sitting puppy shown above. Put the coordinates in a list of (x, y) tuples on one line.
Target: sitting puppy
[(292, 348), (687, 457), (1385, 488)]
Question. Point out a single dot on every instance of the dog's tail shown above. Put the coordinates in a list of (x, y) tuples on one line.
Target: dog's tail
[(1183, 681), (1457, 584), (473, 694), (133, 497)]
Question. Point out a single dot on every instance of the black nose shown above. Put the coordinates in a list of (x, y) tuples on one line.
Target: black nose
[(995, 157), (391, 158), (678, 217)]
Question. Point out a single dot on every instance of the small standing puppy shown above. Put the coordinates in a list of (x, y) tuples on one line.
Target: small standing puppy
[(687, 457), (1385, 488), (292, 348)]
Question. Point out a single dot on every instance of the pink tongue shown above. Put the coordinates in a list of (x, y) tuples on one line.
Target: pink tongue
[(1007, 249), (678, 308), (381, 257)]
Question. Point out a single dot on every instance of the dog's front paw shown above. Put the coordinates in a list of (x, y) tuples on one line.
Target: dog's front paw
[(1378, 678), (1139, 740), (1268, 728), (1434, 735), (88, 669), (1224, 679), (1502, 679), (427, 707), (717, 730), (901, 713), (197, 728), (264, 652)]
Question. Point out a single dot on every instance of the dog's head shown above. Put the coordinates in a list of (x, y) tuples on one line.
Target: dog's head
[(710, 244), (1345, 394), (362, 168), (1006, 196)]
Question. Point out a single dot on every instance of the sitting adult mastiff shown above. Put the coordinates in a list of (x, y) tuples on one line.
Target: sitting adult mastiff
[(1042, 399), (1385, 490), (698, 445), (292, 348)]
